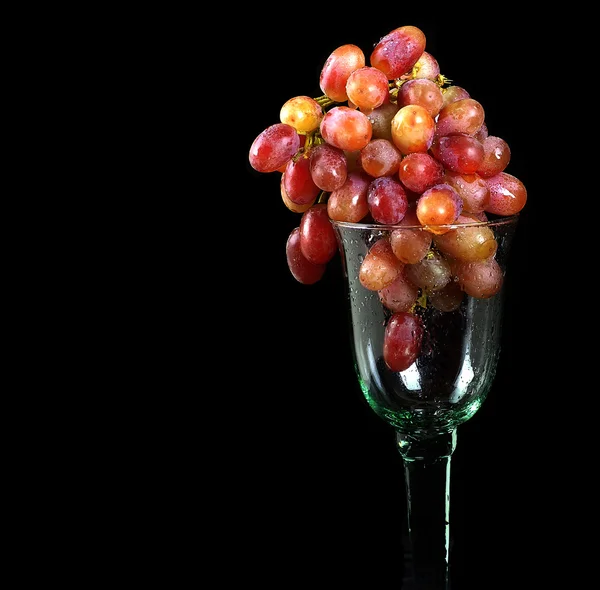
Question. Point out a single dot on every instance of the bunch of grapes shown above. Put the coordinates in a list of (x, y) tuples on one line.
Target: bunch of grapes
[(394, 143)]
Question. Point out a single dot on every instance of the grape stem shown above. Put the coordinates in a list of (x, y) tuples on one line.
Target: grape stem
[(313, 139), (324, 101), (441, 80)]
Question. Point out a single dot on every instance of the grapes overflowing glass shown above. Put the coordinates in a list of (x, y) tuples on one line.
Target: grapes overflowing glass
[(393, 168)]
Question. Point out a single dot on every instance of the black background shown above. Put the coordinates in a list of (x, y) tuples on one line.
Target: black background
[(315, 484)]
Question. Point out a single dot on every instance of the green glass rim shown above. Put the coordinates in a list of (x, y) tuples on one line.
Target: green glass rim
[(498, 221)]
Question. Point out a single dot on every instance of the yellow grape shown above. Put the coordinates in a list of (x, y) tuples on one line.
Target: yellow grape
[(413, 129), (303, 113)]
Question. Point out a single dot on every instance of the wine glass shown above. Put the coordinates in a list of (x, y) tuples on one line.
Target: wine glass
[(425, 388)]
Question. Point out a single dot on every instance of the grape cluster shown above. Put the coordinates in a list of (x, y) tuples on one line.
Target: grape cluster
[(394, 143)]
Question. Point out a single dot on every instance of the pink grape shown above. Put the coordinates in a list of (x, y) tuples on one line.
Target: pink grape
[(454, 93), (462, 116), (380, 267), (397, 52), (273, 147), (482, 279), (410, 245), (349, 202), (317, 236), (422, 92), (472, 189), (380, 157), (387, 200), (427, 67), (496, 156), (346, 128), (401, 295), (402, 340), (328, 167), (367, 88), (458, 153), (508, 194), (420, 171), (302, 269)]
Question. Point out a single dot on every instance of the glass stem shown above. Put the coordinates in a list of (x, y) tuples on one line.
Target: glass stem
[(427, 478)]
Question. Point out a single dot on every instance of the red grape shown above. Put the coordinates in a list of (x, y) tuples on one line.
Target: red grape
[(337, 69), (496, 156), (397, 52), (299, 186), (328, 167), (273, 147), (420, 171), (349, 202), (402, 340), (302, 269), (295, 207), (387, 200), (318, 241), (458, 153)]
